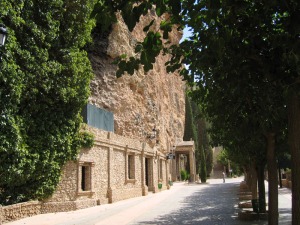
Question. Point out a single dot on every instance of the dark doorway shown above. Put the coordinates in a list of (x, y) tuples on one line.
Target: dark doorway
[(147, 171), (83, 178)]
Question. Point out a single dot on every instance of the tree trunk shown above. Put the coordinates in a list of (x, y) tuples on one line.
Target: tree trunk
[(280, 177), (248, 177), (253, 182), (245, 168), (273, 180), (261, 187), (294, 144)]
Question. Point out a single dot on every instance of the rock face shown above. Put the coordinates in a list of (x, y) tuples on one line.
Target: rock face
[(140, 102)]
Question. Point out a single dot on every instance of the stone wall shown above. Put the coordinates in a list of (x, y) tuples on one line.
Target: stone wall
[(142, 101), (18, 211), (109, 180)]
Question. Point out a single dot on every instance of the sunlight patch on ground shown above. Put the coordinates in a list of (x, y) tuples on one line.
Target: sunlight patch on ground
[(201, 219), (207, 207)]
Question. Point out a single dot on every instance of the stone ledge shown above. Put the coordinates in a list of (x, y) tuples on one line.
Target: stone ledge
[(245, 193), (246, 204), (250, 215), (53, 207), (245, 197), (18, 211)]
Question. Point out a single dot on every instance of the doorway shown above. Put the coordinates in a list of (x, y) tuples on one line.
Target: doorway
[(148, 173)]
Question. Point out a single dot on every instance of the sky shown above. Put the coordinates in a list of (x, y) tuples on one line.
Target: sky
[(186, 33)]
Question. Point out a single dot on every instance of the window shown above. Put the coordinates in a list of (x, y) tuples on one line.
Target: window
[(85, 177), (131, 167), (97, 117), (161, 169)]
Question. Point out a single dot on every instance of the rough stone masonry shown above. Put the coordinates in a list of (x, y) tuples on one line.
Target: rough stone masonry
[(142, 101)]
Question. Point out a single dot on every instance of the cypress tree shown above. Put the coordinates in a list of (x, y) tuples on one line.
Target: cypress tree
[(203, 174), (190, 130)]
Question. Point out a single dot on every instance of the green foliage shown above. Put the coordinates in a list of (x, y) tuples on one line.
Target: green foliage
[(245, 57), (131, 11), (44, 78), (223, 157), (203, 173), (195, 128), (203, 138), (237, 52), (86, 139), (184, 175), (237, 161), (190, 131), (209, 160), (148, 50), (103, 13)]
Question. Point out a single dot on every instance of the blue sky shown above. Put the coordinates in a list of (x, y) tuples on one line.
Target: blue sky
[(186, 33)]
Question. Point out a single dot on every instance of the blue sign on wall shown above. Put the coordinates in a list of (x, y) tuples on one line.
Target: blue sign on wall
[(98, 118)]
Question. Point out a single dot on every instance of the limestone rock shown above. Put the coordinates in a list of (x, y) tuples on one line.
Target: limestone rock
[(143, 101)]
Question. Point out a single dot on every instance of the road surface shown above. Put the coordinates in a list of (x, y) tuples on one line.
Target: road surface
[(214, 203)]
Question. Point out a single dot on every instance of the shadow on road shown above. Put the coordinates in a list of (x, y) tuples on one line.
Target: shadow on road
[(213, 204)]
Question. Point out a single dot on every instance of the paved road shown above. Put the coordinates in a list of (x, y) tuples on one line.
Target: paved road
[(205, 204)]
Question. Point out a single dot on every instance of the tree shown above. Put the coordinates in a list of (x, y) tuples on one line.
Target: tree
[(45, 75), (203, 173), (203, 138), (252, 45), (195, 129), (237, 42), (236, 45), (190, 130)]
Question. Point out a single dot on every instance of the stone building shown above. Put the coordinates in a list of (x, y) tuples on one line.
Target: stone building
[(114, 169), (185, 159), (148, 118), (130, 157)]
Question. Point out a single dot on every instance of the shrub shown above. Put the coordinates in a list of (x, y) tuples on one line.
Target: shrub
[(86, 139), (184, 175)]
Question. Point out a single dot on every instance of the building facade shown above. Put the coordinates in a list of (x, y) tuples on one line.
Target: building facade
[(114, 169)]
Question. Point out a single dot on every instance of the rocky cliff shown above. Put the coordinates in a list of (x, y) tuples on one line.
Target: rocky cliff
[(140, 102)]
